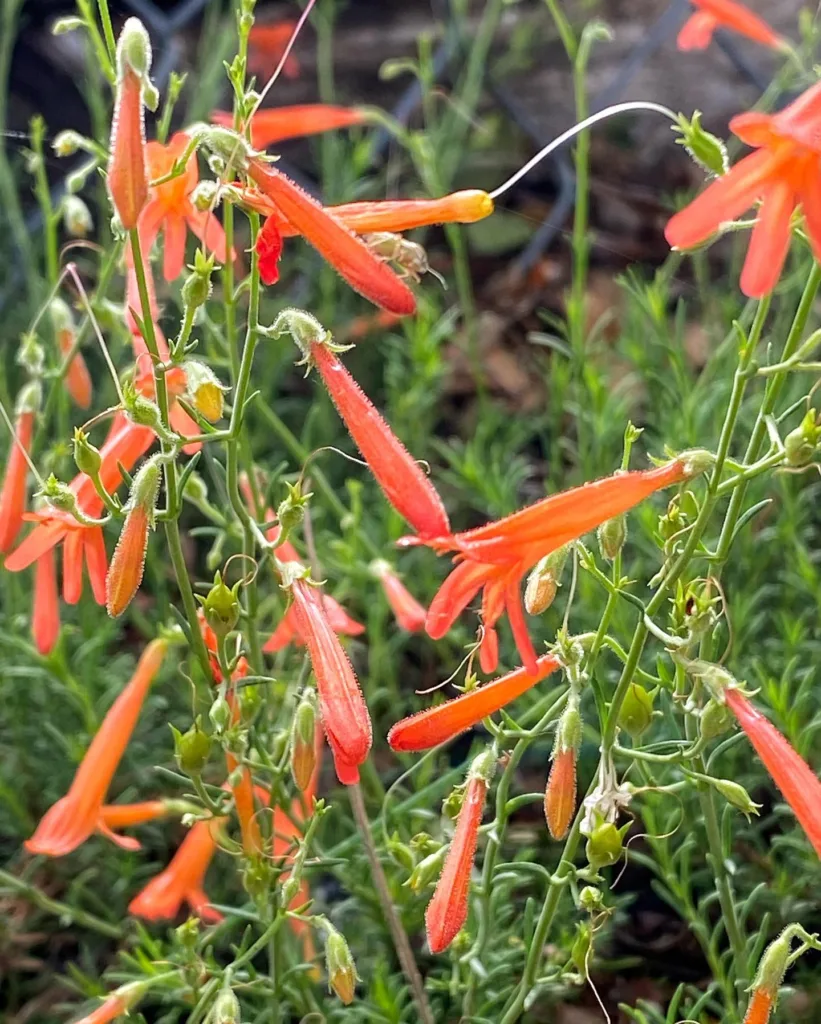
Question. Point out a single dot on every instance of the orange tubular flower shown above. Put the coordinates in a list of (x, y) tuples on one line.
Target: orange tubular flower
[(697, 31), (266, 45), (496, 557), (13, 493), (182, 881), (171, 211), (126, 570), (342, 707), (448, 910), (45, 618), (760, 1007), (127, 177), (792, 775), (120, 1002), (74, 817), (116, 816), (349, 255), (443, 722), (402, 480), (410, 615), (783, 174), (560, 794), (290, 631), (275, 124)]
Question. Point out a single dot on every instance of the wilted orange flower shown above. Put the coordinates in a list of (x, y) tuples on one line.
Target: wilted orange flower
[(443, 722), (182, 881), (13, 493), (784, 174), (275, 124), (267, 44), (410, 615), (495, 558), (448, 910), (697, 31), (74, 817), (171, 211)]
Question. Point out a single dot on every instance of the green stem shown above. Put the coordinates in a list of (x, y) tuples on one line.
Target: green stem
[(108, 29), (67, 914)]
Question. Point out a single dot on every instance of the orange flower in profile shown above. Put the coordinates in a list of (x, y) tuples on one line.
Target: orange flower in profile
[(120, 1002), (410, 615), (495, 558), (77, 378), (267, 44), (443, 722), (117, 816), (127, 177), (45, 615), (126, 570), (171, 211), (289, 630), (182, 880), (348, 254), (13, 492), (74, 817), (784, 174), (560, 794), (448, 910), (275, 124), (697, 31)]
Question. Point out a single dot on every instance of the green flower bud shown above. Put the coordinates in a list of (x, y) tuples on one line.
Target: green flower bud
[(76, 216), (708, 151), (188, 933), (303, 741), (290, 891), (291, 510), (220, 714), (716, 719), (67, 143), (31, 355), (736, 795), (340, 965), (611, 536), (226, 1008), (221, 606), (196, 289), (144, 412), (203, 197), (580, 949), (134, 48), (66, 24), (30, 398), (305, 329), (452, 803), (637, 710), (605, 844), (591, 899), (191, 749), (257, 878), (427, 870), (205, 389), (801, 443), (87, 458), (400, 852)]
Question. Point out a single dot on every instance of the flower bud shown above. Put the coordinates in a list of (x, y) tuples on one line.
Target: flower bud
[(452, 803), (736, 795), (127, 171), (290, 891), (31, 354), (611, 536), (773, 964), (591, 899), (221, 606), (125, 572), (76, 216), (204, 195), (191, 749), (544, 580), (29, 399), (341, 969), (716, 719), (636, 712), (303, 741), (134, 48), (196, 289), (188, 933), (226, 1008), (605, 844), (204, 389), (67, 143), (400, 852), (196, 489), (87, 458), (220, 714), (143, 411), (305, 329), (800, 444), (427, 870), (708, 151), (291, 510), (66, 24), (582, 943)]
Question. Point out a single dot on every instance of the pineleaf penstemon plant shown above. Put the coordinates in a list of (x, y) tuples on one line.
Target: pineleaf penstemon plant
[(300, 761)]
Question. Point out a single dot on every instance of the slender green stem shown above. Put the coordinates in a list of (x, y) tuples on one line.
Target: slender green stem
[(108, 29), (66, 913)]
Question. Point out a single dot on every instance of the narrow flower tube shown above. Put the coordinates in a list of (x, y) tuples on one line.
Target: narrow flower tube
[(182, 880), (448, 909), (125, 572), (74, 817), (289, 631), (275, 124), (342, 707), (435, 725), (797, 782), (77, 378), (349, 255), (117, 816), (560, 794), (127, 173), (401, 478), (759, 1008), (45, 618), (409, 614), (119, 1003), (709, 15), (13, 493)]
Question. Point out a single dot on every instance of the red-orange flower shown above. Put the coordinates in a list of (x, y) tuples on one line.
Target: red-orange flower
[(118, 1003), (171, 211), (289, 629), (45, 612), (784, 174), (448, 910), (127, 178), (267, 44), (342, 707), (126, 570), (697, 31), (443, 722), (760, 1007), (798, 783), (560, 794), (182, 881), (410, 615), (74, 817), (401, 478), (349, 255), (117, 816), (275, 124), (13, 493)]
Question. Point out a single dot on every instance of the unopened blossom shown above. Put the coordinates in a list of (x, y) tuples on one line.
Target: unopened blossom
[(125, 572), (69, 822), (14, 492), (560, 793), (443, 722), (783, 175), (709, 15), (127, 175), (448, 909)]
